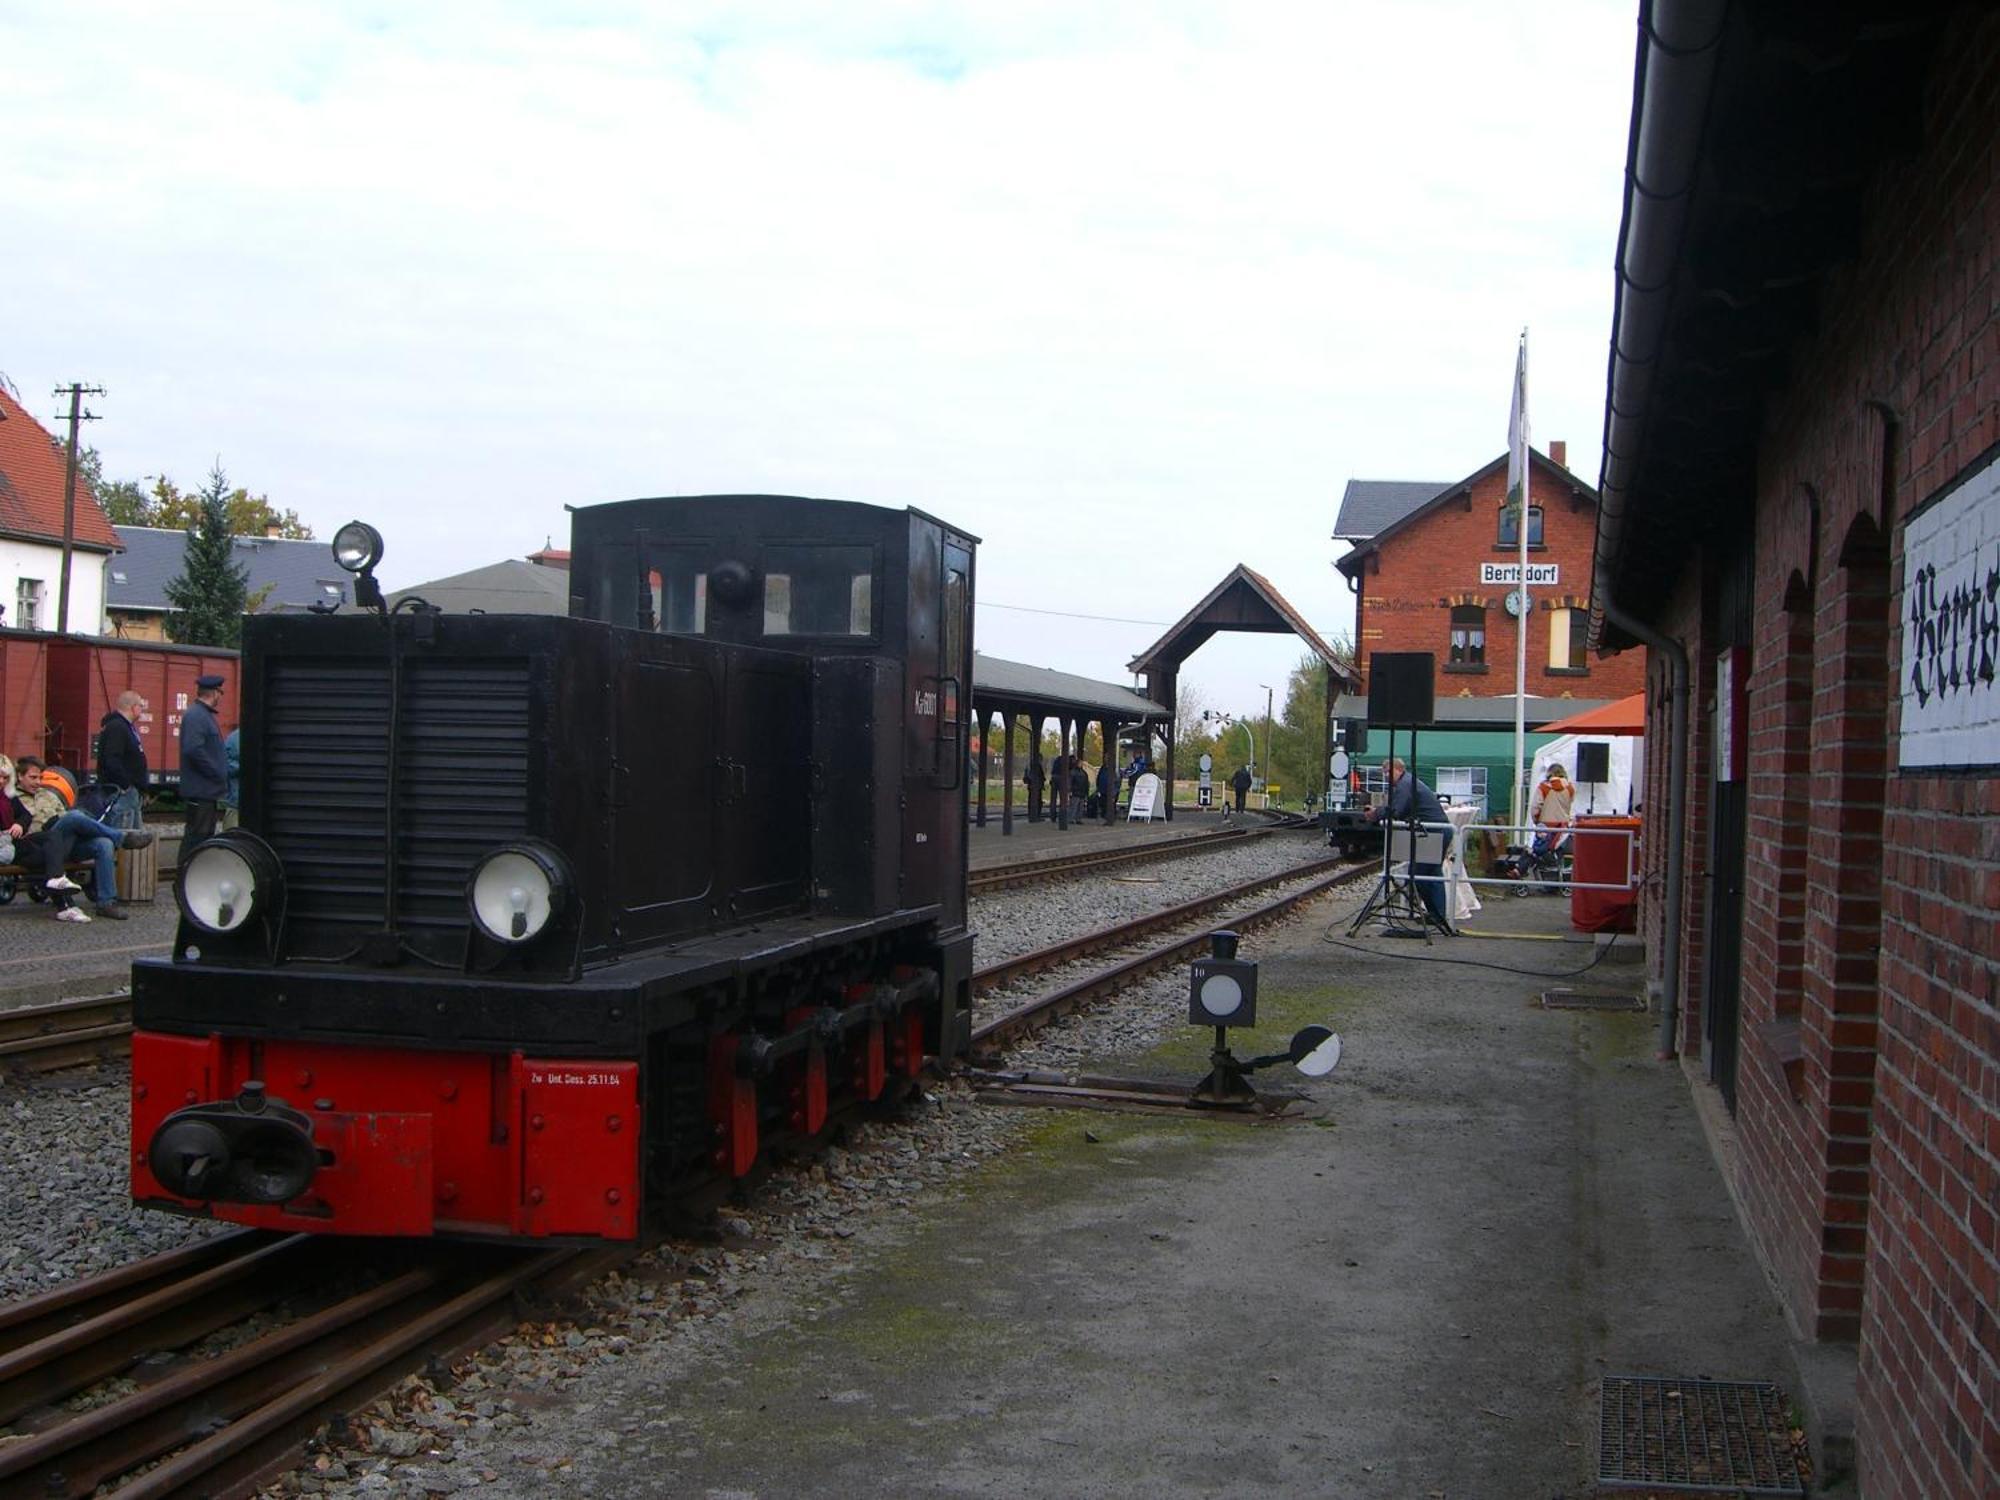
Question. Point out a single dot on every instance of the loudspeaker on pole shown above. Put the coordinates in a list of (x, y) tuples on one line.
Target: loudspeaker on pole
[(1401, 685)]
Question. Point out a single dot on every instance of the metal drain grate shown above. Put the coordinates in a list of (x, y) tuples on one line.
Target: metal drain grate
[(1704, 1436), (1566, 999)]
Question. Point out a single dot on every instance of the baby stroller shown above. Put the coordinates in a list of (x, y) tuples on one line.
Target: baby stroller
[(1542, 867)]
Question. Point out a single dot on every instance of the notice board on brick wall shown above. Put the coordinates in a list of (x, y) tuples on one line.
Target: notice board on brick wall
[(1951, 626)]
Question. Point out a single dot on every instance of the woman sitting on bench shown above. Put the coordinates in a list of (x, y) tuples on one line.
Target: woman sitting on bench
[(45, 830)]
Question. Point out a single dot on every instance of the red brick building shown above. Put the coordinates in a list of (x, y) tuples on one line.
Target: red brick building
[(1435, 567), (1801, 522)]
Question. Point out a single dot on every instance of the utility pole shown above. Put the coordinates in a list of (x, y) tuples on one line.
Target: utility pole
[(76, 392), (1267, 742)]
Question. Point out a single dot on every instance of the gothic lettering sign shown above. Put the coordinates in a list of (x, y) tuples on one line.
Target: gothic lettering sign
[(1540, 575), (1951, 627)]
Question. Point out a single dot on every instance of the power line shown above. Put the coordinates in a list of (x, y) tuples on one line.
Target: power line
[(1064, 614)]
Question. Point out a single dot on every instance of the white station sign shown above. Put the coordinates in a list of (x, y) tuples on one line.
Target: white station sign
[(1540, 575), (1951, 628)]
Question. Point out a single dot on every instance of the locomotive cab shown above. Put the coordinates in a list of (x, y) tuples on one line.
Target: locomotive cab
[(529, 917)]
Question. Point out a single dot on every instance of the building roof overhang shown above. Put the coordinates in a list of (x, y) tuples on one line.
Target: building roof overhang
[(1755, 132)]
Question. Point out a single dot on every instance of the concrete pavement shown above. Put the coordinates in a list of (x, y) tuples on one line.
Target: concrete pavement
[(1414, 1294)]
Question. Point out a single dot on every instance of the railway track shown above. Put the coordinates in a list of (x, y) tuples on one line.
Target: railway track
[(990, 1036), (66, 1033), (1004, 877), (315, 1328)]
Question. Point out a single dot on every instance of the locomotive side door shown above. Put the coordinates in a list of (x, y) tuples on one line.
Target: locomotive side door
[(663, 794), (938, 684), (765, 791)]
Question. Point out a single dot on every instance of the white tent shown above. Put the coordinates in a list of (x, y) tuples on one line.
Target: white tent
[(1628, 766)]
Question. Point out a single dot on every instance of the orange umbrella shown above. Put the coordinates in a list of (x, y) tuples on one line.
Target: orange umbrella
[(1626, 716)]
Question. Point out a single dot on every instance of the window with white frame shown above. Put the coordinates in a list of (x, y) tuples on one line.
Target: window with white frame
[(28, 604), (1461, 784)]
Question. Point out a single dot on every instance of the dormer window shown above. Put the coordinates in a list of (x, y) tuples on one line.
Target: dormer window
[(1510, 534)]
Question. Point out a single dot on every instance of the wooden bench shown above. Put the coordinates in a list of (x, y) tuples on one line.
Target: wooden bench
[(12, 876)]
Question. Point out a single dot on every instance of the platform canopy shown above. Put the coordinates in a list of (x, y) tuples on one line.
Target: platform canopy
[(1624, 716), (1244, 600), (999, 686)]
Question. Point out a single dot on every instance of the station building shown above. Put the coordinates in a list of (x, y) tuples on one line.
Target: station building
[(1800, 523), (1434, 567)]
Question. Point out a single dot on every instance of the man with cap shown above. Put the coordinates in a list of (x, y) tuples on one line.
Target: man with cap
[(204, 765)]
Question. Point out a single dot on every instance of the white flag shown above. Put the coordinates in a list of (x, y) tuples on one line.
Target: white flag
[(1517, 431)]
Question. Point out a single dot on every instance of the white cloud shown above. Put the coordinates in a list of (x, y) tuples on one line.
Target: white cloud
[(1129, 289)]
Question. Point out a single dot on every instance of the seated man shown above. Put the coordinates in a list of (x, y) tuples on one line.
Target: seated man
[(54, 830)]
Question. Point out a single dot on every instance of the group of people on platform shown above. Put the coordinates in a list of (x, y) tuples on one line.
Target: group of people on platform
[(44, 833), (1086, 796)]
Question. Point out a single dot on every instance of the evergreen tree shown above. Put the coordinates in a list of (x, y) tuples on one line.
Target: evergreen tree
[(209, 595)]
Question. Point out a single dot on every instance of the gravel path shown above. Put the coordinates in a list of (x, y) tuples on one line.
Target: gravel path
[(62, 1155)]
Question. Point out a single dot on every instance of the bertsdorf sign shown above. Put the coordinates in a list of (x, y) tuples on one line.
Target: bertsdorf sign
[(1951, 627), (1540, 575)]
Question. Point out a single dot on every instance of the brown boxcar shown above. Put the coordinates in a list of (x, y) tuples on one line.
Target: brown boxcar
[(24, 666), (87, 673)]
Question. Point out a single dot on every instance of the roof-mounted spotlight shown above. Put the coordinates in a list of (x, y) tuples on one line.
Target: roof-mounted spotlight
[(357, 547)]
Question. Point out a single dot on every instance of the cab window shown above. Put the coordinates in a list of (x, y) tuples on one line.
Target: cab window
[(819, 590)]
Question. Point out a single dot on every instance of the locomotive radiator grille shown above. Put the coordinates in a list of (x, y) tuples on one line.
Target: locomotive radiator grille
[(461, 785)]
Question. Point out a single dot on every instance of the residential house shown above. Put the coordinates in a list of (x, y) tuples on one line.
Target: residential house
[(32, 476), (284, 576)]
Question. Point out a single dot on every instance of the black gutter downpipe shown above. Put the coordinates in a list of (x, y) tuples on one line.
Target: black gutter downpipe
[(1680, 708)]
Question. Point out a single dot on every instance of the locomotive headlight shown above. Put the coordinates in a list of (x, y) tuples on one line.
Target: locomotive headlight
[(517, 889), (227, 880), (357, 546)]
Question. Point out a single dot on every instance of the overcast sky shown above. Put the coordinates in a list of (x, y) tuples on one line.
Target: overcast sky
[(1129, 290)]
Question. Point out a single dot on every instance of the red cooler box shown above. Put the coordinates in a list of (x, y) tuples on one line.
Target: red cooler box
[(1605, 854)]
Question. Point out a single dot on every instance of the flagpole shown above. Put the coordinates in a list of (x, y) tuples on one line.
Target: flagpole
[(1525, 458)]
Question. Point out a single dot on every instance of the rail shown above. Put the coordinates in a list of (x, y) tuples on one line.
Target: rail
[(990, 1036), (66, 1033), (236, 1417)]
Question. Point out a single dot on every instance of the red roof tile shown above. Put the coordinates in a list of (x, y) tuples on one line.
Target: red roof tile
[(31, 485)]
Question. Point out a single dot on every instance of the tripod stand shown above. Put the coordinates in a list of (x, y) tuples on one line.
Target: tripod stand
[(1396, 899)]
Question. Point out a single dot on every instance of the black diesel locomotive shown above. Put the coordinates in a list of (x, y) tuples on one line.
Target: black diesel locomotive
[(531, 921)]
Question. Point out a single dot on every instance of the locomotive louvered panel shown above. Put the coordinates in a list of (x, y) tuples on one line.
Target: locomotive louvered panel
[(461, 780), (326, 761), (460, 775)]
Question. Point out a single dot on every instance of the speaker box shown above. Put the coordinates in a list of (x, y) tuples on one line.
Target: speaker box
[(1593, 762), (1400, 685), (1354, 736)]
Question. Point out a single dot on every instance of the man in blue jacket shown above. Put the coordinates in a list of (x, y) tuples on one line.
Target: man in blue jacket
[(1410, 798), (204, 766)]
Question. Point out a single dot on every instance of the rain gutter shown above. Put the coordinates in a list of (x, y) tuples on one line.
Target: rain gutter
[(1678, 45)]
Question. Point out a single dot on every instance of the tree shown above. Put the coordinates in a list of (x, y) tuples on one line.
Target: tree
[(128, 503), (1298, 740), (246, 514), (122, 499), (209, 595)]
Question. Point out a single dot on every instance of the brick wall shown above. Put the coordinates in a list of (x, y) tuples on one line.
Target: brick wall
[(1868, 1106), (1409, 588)]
